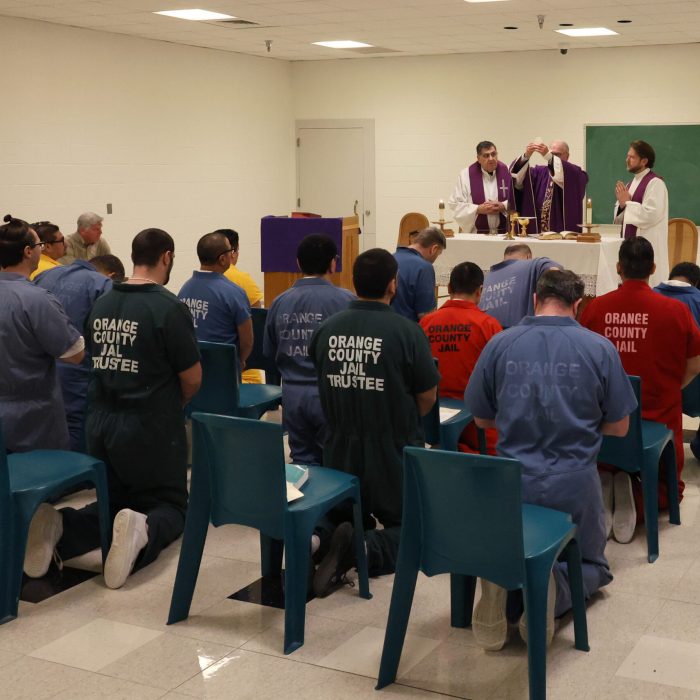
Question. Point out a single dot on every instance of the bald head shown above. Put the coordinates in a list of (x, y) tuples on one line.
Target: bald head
[(561, 149)]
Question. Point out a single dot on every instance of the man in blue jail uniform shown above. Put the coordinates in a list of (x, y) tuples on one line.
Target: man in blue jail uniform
[(145, 368), (34, 332), (415, 295), (552, 389), (510, 284), (77, 286), (220, 309), (291, 321)]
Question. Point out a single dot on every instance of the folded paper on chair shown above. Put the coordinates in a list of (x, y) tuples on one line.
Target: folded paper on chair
[(297, 476)]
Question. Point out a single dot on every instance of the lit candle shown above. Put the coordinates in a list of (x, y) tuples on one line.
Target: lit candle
[(589, 211), (441, 209)]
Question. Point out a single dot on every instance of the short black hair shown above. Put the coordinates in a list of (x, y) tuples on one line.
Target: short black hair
[(231, 236), (15, 236), (644, 150), (564, 285), (483, 145), (372, 272), (689, 270), (149, 244), (636, 258), (210, 247), (316, 253), (466, 278), (110, 264), (46, 231)]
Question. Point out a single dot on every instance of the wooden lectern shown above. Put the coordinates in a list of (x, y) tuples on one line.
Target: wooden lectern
[(280, 238)]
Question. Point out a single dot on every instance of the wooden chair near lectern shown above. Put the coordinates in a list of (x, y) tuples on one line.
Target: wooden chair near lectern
[(280, 237), (413, 221), (682, 241)]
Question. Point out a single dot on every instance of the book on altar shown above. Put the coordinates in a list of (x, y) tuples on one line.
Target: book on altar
[(296, 476)]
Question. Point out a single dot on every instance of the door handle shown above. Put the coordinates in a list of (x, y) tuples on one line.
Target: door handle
[(354, 207)]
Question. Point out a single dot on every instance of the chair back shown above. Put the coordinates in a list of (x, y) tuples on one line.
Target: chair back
[(682, 241), (219, 392), (691, 398), (626, 452), (6, 503), (413, 221), (256, 359), (431, 420), (245, 462), (466, 512)]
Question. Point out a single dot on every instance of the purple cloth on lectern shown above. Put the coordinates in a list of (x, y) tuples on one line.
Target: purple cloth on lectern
[(566, 211), (476, 186), (280, 237), (629, 230)]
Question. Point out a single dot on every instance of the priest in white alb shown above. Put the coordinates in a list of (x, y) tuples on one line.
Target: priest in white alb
[(642, 206), (483, 193)]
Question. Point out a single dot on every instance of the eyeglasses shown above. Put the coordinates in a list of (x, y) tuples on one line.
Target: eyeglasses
[(57, 240), (38, 243)]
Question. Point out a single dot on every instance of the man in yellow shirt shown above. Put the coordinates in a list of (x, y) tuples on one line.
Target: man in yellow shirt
[(253, 292), (54, 246)]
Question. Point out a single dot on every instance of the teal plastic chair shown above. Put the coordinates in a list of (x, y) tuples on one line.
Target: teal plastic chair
[(639, 452), (691, 398), (446, 433), (257, 359), (238, 476), (222, 392), (27, 479), (463, 515)]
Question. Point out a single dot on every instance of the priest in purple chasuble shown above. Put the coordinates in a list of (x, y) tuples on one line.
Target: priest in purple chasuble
[(483, 193), (642, 206), (552, 193)]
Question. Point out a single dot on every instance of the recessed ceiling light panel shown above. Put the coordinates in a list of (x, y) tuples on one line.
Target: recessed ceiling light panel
[(344, 44), (196, 15), (485, 0), (587, 31)]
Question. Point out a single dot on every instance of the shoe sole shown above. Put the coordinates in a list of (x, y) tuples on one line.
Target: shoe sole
[(40, 544), (625, 513), (323, 584), (489, 622), (120, 560)]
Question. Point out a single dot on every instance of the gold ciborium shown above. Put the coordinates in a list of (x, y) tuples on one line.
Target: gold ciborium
[(510, 236), (523, 221)]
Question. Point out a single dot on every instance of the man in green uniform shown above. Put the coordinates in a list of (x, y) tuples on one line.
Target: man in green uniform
[(376, 379), (145, 367)]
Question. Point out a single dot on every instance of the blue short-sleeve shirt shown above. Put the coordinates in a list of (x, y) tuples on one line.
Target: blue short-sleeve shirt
[(549, 383), (218, 306), (291, 321), (415, 294), (508, 289), (689, 295)]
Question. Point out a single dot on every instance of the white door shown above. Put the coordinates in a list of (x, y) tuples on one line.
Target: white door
[(335, 169)]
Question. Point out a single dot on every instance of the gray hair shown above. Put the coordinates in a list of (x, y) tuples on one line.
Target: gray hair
[(89, 218), (430, 236)]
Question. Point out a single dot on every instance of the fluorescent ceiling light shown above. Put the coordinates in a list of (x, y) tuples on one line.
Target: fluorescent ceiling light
[(345, 44), (198, 15), (587, 31), (484, 0)]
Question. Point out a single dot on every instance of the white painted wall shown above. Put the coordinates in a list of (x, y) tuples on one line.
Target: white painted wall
[(177, 137), (431, 111)]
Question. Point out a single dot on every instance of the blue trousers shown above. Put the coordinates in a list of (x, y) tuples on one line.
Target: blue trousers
[(304, 422)]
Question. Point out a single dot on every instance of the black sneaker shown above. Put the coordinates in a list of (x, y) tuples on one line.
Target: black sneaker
[(330, 574)]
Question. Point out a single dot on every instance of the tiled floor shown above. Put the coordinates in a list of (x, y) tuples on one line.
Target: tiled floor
[(92, 642)]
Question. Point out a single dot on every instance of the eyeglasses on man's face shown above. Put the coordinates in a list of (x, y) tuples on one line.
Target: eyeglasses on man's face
[(41, 244)]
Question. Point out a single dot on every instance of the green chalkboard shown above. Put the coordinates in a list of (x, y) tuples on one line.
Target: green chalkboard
[(677, 161)]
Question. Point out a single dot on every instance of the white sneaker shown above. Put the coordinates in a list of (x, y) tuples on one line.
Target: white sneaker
[(489, 622), (606, 485), (625, 513), (551, 601), (45, 530), (129, 537)]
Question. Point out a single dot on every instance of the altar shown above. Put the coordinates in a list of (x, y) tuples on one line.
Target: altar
[(595, 263)]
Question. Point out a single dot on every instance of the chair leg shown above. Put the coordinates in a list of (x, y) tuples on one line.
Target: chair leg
[(100, 481), (650, 496), (535, 598), (462, 589), (674, 511), (11, 564), (572, 554), (360, 552), (296, 570), (399, 610), (271, 552)]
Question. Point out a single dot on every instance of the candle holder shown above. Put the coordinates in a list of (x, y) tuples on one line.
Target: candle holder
[(589, 235), (449, 233), (510, 236)]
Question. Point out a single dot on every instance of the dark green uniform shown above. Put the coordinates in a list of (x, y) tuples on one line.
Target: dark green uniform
[(371, 363), (140, 337)]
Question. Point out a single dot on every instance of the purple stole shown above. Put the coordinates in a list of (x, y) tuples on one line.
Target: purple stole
[(628, 230), (476, 186)]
